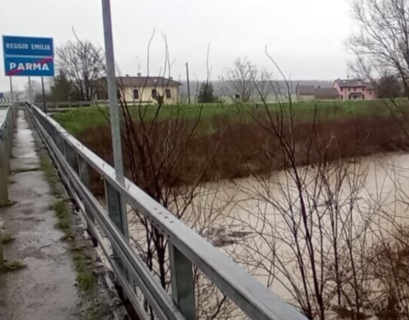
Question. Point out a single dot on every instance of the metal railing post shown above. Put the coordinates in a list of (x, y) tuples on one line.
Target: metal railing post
[(1, 249), (6, 139), (58, 141), (10, 124), (69, 154), (115, 206), (83, 171), (4, 195), (183, 292)]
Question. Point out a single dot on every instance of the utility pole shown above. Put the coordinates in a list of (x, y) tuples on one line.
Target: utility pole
[(188, 83), (116, 202)]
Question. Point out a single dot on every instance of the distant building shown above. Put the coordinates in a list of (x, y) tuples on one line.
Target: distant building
[(305, 93), (356, 89), (326, 94), (143, 89), (309, 93)]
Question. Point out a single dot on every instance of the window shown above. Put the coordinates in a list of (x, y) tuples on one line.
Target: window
[(168, 94), (154, 94), (342, 89), (135, 94), (354, 89)]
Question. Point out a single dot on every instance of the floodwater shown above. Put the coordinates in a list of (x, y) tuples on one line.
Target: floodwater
[(257, 221)]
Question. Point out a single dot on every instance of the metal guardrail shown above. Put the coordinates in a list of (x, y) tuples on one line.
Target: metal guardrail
[(55, 106), (72, 104), (7, 119), (186, 248)]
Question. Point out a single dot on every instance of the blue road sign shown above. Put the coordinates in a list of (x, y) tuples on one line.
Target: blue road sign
[(29, 66), (28, 46), (28, 56), (1, 95)]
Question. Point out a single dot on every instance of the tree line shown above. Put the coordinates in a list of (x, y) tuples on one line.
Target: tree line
[(381, 48)]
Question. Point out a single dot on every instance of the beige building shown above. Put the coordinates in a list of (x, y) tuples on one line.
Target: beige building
[(310, 93), (305, 93), (146, 90)]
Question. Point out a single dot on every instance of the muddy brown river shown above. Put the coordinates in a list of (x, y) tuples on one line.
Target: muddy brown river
[(253, 219)]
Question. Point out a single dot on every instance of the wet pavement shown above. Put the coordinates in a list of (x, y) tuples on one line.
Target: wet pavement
[(45, 289)]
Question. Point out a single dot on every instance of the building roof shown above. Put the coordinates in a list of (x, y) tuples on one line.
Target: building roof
[(354, 83), (326, 93), (147, 82), (306, 90)]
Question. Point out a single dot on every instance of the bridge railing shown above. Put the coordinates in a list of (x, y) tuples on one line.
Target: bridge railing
[(7, 122), (186, 248), (65, 105)]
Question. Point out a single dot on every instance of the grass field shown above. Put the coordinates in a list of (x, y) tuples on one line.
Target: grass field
[(230, 143), (79, 119)]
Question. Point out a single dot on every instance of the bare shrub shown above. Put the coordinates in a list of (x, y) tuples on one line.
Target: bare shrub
[(381, 46), (239, 80), (83, 64), (310, 225)]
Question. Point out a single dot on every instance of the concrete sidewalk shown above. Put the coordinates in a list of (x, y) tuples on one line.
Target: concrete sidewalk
[(46, 288)]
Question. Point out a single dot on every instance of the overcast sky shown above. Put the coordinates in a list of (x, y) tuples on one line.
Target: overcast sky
[(306, 37)]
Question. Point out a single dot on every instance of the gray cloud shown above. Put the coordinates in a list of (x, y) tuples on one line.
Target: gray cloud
[(305, 37)]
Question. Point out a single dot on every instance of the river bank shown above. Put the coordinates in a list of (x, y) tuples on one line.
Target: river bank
[(307, 207), (176, 153)]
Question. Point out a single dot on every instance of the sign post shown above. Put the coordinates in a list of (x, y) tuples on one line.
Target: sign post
[(28, 56), (11, 92)]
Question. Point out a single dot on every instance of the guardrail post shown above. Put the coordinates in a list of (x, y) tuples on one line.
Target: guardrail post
[(6, 139), (58, 141), (69, 154), (1, 249), (6, 147), (183, 292), (4, 195), (83, 171), (116, 207)]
